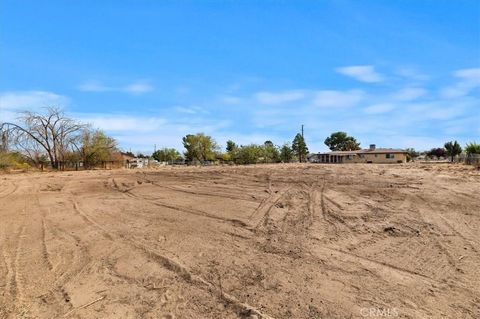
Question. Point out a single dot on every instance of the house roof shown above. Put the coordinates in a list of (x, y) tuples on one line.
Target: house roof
[(124, 154), (367, 151)]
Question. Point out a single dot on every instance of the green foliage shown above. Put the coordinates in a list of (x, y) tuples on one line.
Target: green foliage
[(453, 149), (231, 147), (254, 153), (199, 147), (13, 160), (167, 155), (286, 153), (340, 141), (96, 147), (411, 154), (227, 157), (299, 148), (270, 153), (248, 154), (472, 148)]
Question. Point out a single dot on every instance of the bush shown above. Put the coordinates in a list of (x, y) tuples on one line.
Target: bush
[(9, 160)]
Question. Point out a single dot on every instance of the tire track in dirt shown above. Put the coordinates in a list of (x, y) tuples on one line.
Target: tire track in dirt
[(264, 210), (325, 211), (172, 265), (444, 221), (90, 221), (63, 275), (17, 278), (188, 210), (15, 281), (45, 252), (312, 203), (5, 194), (214, 195), (473, 246), (372, 262), (4, 269)]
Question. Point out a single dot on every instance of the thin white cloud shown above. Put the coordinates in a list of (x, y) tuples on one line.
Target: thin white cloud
[(190, 109), (411, 74), (332, 98), (19, 100), (379, 108), (265, 97), (469, 80), (119, 123), (472, 74), (94, 86), (409, 94), (363, 73), (137, 87)]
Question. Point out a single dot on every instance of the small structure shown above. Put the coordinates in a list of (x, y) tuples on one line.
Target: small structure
[(370, 155), (137, 163)]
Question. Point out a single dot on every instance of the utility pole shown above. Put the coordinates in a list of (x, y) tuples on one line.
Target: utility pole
[(302, 130), (154, 148)]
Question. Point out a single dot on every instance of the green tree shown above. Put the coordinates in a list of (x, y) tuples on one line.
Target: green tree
[(299, 148), (248, 154), (286, 153), (340, 141), (472, 148), (231, 146), (270, 153), (453, 149), (96, 147), (166, 155), (199, 147)]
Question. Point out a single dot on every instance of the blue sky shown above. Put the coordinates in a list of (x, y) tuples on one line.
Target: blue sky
[(394, 73)]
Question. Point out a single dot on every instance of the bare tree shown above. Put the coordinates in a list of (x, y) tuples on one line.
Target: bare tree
[(51, 132)]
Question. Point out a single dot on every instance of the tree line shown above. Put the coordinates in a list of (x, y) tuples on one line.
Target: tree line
[(452, 149), (53, 138), (202, 148)]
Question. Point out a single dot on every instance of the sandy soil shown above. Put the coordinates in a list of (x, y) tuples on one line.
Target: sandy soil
[(284, 241)]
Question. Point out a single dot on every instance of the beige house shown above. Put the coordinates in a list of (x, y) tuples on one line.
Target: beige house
[(371, 155)]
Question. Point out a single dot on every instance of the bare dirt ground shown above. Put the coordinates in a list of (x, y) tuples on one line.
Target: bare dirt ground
[(283, 241)]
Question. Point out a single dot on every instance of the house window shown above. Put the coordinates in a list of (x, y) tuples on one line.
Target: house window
[(389, 155)]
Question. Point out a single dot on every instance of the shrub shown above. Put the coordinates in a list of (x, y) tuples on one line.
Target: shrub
[(9, 160)]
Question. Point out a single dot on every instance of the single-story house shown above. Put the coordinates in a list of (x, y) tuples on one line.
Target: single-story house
[(370, 155)]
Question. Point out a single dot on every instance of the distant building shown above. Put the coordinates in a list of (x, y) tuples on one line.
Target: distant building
[(138, 163), (371, 155), (125, 156)]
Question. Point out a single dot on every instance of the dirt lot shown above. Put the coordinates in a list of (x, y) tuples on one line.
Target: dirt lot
[(284, 241)]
